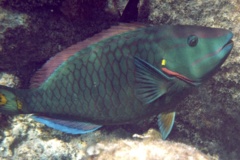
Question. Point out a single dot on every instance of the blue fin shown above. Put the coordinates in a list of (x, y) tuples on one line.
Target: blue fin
[(165, 123), (151, 83), (67, 126)]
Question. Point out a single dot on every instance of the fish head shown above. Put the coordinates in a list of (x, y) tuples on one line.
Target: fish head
[(193, 53)]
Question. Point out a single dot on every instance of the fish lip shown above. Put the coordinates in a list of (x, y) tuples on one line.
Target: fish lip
[(230, 42), (229, 45)]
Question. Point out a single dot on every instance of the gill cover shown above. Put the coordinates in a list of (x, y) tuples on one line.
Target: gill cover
[(9, 103)]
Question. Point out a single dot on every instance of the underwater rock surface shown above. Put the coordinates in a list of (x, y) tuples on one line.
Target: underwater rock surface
[(26, 139), (207, 124)]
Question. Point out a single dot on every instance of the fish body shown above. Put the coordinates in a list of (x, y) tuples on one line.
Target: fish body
[(125, 74)]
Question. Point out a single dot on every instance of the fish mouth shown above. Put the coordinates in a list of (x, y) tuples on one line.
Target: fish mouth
[(224, 52), (228, 44), (226, 49)]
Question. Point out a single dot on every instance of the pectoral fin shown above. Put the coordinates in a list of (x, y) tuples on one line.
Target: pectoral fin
[(165, 123), (151, 83), (67, 126)]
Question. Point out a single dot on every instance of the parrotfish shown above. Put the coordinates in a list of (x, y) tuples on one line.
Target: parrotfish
[(122, 75)]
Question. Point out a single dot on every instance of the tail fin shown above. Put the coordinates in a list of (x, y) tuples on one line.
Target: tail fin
[(9, 102)]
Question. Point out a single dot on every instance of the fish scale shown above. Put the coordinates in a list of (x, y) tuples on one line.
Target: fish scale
[(122, 75), (87, 70)]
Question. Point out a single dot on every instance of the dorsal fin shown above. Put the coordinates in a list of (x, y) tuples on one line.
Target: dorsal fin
[(49, 67)]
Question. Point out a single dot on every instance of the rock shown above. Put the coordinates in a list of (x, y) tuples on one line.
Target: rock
[(29, 5), (8, 80), (116, 6), (141, 150), (40, 143), (11, 20)]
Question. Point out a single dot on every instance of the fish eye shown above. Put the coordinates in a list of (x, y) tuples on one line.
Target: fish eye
[(192, 40)]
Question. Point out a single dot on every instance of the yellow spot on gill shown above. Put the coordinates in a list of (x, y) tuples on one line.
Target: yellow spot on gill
[(163, 62), (3, 99), (19, 104)]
